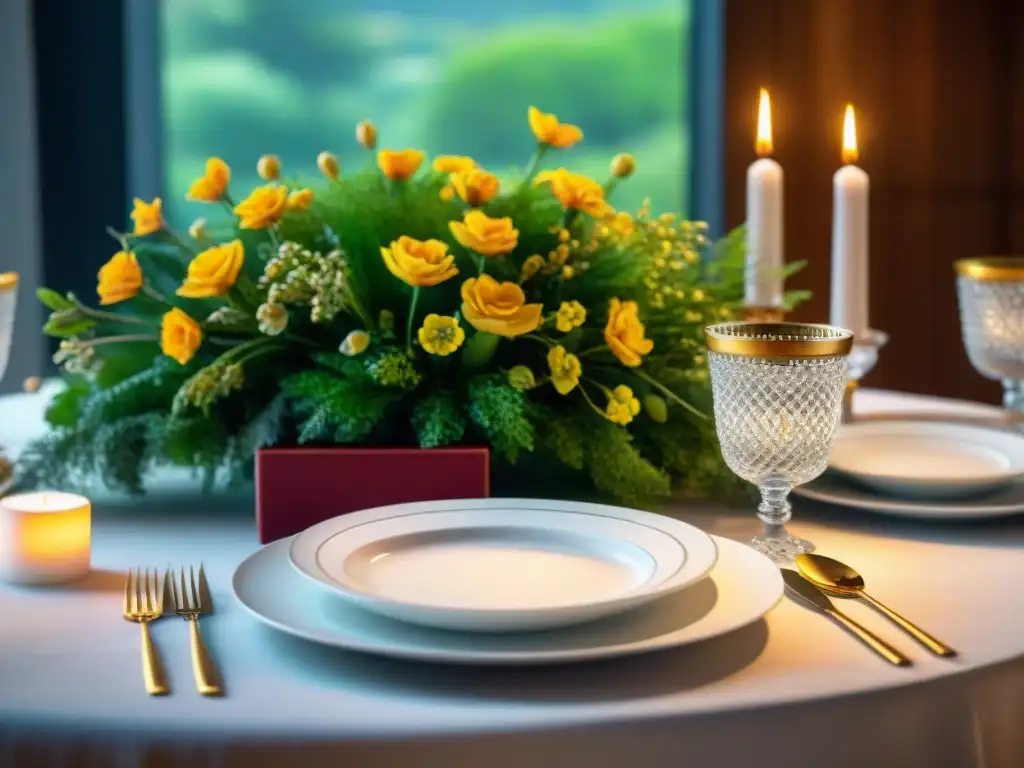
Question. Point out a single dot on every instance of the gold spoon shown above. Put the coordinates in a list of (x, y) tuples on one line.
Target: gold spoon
[(841, 580)]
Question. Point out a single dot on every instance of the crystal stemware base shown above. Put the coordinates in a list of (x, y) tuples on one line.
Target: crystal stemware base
[(780, 547)]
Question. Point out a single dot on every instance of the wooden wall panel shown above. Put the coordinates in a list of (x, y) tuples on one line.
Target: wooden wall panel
[(939, 90)]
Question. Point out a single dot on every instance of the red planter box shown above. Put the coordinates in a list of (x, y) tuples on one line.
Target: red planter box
[(299, 487)]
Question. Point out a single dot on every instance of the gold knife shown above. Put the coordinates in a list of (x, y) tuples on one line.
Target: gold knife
[(805, 592)]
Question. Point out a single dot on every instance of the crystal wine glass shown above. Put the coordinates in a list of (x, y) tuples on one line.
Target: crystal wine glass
[(8, 296), (991, 293), (778, 395)]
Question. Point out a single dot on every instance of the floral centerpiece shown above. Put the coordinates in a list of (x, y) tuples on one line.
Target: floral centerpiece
[(415, 302)]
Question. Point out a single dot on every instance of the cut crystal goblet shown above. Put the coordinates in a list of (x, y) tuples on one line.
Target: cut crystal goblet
[(991, 291), (778, 396)]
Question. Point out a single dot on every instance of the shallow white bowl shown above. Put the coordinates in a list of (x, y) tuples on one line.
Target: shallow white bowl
[(928, 460), (502, 565)]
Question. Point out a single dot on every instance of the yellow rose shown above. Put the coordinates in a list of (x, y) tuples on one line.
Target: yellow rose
[(623, 165), (419, 262), (576, 191), (622, 406), (366, 134), (327, 162), (476, 186), (565, 369), (148, 217), (180, 336), (399, 164), (211, 186), (480, 233), (570, 315), (624, 333), (263, 207), (453, 163), (498, 308), (213, 271), (441, 335), (268, 167), (299, 200), (119, 279), (549, 131)]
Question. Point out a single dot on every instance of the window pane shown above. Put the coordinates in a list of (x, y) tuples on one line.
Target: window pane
[(246, 77)]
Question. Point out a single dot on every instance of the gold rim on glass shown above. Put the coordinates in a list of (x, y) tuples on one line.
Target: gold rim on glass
[(8, 281), (793, 341), (992, 268)]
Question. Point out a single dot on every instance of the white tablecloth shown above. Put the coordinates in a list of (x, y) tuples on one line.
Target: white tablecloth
[(790, 689)]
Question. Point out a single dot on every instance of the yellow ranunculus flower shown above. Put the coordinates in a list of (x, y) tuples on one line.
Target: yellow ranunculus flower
[(476, 186), (624, 333), (180, 336), (263, 207), (328, 164), (399, 164), (214, 271), (549, 131), (453, 163), (622, 406), (148, 217), (441, 335), (419, 262), (565, 369), (623, 165), (119, 279), (480, 233), (366, 134), (299, 200), (211, 186), (498, 308), (446, 193), (570, 315), (268, 167), (576, 191)]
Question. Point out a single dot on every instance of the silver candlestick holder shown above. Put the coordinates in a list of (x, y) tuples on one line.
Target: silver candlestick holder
[(863, 357)]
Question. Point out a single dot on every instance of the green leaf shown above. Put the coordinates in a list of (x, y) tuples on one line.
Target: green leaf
[(66, 406), (66, 323), (438, 420), (54, 300), (793, 267), (479, 351)]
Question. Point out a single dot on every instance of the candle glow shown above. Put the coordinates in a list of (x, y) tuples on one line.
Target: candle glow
[(849, 136), (45, 538), (763, 146)]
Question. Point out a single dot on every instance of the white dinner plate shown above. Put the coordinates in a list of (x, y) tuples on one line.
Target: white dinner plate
[(502, 565), (834, 488), (928, 460), (743, 586)]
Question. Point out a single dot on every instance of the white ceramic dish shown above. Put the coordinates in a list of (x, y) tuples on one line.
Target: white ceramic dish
[(834, 488), (928, 460), (502, 565), (743, 586)]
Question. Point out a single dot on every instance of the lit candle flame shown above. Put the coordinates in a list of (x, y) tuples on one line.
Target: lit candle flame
[(849, 136), (763, 146)]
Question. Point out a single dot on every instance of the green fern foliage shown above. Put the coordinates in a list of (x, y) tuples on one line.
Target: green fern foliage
[(438, 420), (502, 412)]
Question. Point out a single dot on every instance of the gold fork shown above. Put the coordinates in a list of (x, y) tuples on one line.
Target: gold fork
[(188, 603), (143, 603)]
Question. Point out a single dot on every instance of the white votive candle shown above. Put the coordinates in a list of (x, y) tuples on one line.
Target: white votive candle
[(45, 537), (765, 260), (850, 187)]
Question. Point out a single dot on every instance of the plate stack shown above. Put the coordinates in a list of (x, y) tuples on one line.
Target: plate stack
[(506, 581), (924, 469)]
